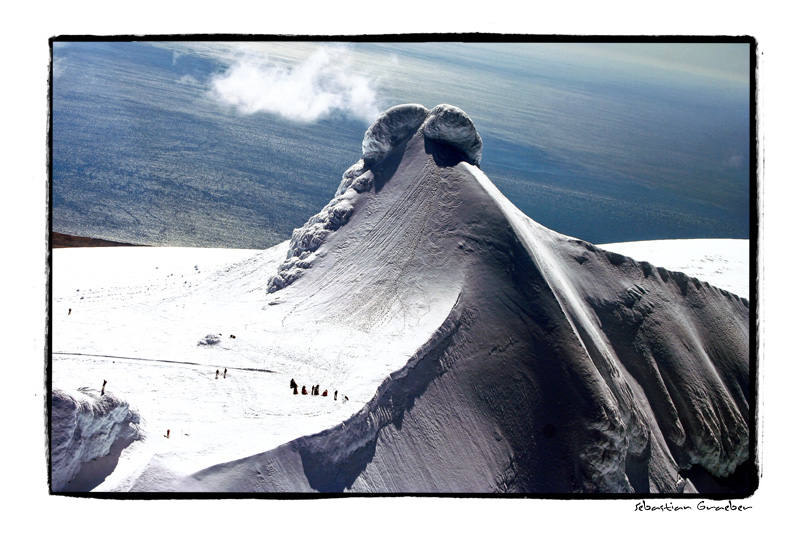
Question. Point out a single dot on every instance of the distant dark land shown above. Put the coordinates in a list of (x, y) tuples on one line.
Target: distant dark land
[(58, 240)]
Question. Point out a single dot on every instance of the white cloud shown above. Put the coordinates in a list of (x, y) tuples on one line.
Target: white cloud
[(323, 84)]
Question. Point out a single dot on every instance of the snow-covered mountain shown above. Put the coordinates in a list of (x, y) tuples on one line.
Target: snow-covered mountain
[(470, 349)]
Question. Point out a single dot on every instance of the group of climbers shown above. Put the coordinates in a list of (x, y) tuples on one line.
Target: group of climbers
[(292, 385), (314, 391)]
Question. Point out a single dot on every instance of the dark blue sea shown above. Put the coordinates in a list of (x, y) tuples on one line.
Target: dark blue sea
[(143, 151)]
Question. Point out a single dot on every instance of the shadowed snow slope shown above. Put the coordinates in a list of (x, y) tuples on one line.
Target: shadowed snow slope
[(547, 364), (86, 426)]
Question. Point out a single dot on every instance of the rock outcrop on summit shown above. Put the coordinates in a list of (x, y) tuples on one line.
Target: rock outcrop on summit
[(553, 366)]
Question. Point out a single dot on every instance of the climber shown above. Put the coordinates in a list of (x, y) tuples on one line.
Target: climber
[(304, 392), (225, 374), (103, 390), (325, 393), (217, 374), (292, 384)]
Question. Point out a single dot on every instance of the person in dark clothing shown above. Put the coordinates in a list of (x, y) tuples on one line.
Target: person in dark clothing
[(225, 374), (103, 390), (325, 393), (295, 389), (168, 433), (292, 384), (69, 312), (217, 374), (304, 392), (335, 394)]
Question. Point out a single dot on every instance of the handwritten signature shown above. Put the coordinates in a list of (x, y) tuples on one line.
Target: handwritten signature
[(701, 505)]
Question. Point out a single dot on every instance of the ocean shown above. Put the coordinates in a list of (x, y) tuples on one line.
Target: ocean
[(145, 148)]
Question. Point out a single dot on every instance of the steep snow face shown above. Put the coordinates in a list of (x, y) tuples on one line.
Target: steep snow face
[(85, 427), (549, 365), (618, 329), (444, 124)]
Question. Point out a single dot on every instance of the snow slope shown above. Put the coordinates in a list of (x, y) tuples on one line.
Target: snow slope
[(480, 351)]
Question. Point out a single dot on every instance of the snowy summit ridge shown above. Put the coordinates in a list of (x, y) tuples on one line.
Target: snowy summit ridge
[(467, 349), (444, 124), (572, 368)]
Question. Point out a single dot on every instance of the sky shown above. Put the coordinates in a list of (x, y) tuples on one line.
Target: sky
[(28, 60)]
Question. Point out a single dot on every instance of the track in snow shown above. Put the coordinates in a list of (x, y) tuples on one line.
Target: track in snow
[(149, 360)]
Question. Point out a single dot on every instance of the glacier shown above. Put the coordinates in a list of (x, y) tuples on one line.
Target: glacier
[(480, 351)]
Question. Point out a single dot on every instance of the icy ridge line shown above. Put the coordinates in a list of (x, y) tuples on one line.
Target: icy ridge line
[(85, 426), (392, 399), (623, 422), (444, 124), (333, 458)]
